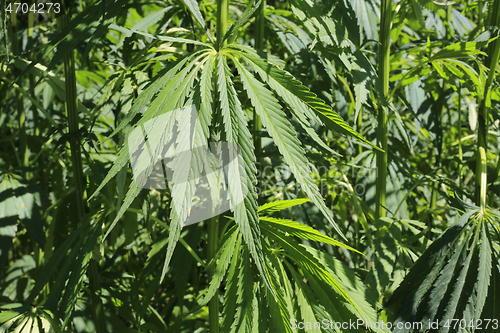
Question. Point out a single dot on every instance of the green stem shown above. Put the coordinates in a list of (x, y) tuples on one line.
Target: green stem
[(23, 142), (259, 44), (460, 151), (79, 177), (483, 179), (73, 124), (480, 13), (95, 289), (359, 125), (384, 67), (222, 21), (259, 26), (31, 23), (213, 224), (493, 53), (213, 305)]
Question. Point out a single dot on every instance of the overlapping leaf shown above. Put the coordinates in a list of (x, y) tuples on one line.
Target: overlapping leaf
[(285, 137), (241, 175), (460, 259), (299, 97)]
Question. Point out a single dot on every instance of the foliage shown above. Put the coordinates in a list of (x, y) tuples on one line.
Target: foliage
[(368, 152)]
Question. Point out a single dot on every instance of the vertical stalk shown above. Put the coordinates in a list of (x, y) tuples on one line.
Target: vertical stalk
[(259, 44), (31, 23), (23, 141), (73, 124), (79, 177), (213, 224), (259, 26), (222, 22), (493, 56), (359, 125), (213, 305), (483, 181), (460, 150), (383, 72), (21, 114), (480, 5)]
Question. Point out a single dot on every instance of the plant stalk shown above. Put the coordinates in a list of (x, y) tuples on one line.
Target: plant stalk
[(213, 224), (21, 114), (384, 67), (483, 179), (73, 125), (259, 45), (222, 21), (492, 59), (79, 177), (460, 151), (213, 305)]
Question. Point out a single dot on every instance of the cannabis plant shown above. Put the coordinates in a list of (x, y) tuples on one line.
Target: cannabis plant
[(250, 166)]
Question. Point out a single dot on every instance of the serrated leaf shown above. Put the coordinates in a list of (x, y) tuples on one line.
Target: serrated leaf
[(299, 97), (55, 260), (222, 260), (436, 287), (275, 273), (243, 321), (480, 291), (230, 296), (332, 273), (163, 79), (285, 137), (289, 227), (275, 206), (166, 101), (459, 50), (151, 19), (367, 18), (429, 263), (195, 10), (140, 103), (231, 32), (305, 300), (331, 22), (440, 286), (129, 32), (242, 174)]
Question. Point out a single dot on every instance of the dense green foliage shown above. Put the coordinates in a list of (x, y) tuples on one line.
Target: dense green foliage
[(369, 155)]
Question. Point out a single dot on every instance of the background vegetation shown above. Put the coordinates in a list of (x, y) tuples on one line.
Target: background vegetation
[(369, 133)]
